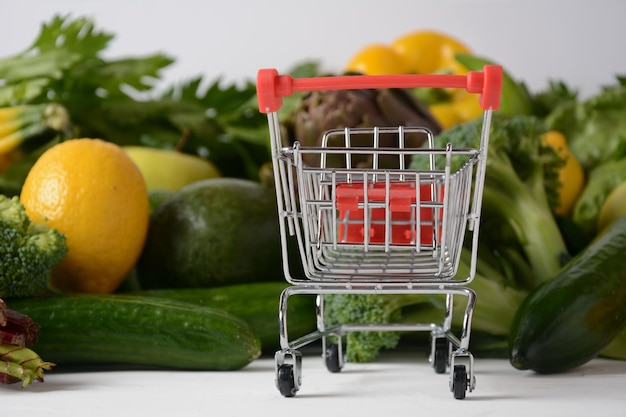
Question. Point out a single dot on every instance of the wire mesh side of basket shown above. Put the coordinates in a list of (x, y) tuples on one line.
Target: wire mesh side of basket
[(360, 212)]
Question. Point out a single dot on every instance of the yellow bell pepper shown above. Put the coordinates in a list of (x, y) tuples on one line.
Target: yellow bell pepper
[(423, 52), (571, 175), (377, 59), (428, 51)]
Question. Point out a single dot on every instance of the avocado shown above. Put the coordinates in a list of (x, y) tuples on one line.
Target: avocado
[(213, 232)]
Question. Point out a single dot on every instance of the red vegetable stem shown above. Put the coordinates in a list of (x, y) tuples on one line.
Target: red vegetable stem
[(3, 313), (19, 330)]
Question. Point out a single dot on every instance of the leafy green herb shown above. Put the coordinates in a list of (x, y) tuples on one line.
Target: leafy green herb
[(558, 93), (594, 127), (116, 99)]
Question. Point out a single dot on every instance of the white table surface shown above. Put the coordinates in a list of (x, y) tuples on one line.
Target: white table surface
[(397, 385)]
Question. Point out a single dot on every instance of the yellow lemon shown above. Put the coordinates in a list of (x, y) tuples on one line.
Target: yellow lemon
[(91, 191)]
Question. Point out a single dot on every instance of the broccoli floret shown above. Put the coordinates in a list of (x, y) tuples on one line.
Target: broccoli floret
[(493, 314), (521, 188), (28, 251), (365, 309)]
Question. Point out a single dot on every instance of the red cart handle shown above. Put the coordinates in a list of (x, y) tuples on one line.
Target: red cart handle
[(272, 87)]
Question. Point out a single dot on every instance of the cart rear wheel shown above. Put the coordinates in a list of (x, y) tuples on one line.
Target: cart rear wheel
[(441, 354), (285, 380), (333, 358), (459, 381)]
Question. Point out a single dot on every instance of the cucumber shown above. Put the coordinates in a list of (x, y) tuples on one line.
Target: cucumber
[(95, 329), (570, 319), (256, 304)]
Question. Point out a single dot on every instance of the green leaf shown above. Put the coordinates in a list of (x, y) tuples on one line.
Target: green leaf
[(114, 99), (595, 127), (75, 35), (556, 95), (305, 69), (140, 74), (22, 92), (258, 135), (225, 100), (187, 90), (48, 64)]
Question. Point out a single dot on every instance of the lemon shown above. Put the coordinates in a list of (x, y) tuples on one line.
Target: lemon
[(168, 169), (91, 191)]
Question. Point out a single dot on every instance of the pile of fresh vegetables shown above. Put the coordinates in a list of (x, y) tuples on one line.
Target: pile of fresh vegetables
[(551, 275), (61, 88)]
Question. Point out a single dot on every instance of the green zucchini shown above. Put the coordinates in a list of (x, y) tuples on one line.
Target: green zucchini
[(94, 329), (570, 319), (256, 304)]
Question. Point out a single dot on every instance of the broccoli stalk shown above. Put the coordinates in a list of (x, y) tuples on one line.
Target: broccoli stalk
[(493, 314), (28, 251), (521, 188), (520, 228)]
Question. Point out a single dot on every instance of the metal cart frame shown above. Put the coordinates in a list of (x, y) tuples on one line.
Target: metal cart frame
[(364, 228)]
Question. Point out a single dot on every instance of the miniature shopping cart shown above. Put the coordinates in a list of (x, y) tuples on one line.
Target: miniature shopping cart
[(366, 222)]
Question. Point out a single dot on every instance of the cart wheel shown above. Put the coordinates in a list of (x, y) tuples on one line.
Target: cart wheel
[(459, 382), (333, 358), (285, 380), (440, 355)]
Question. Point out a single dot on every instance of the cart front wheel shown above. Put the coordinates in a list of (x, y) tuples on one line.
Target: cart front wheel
[(459, 381), (285, 380)]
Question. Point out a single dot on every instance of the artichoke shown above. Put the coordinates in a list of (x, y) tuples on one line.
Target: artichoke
[(319, 111)]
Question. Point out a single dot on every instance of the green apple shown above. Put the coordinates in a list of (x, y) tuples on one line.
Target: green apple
[(169, 169)]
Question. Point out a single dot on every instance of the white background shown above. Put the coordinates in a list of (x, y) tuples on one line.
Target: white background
[(581, 42)]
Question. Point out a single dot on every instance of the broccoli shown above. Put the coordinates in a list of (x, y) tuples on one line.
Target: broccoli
[(370, 309), (518, 227), (521, 244), (28, 251), (492, 316)]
